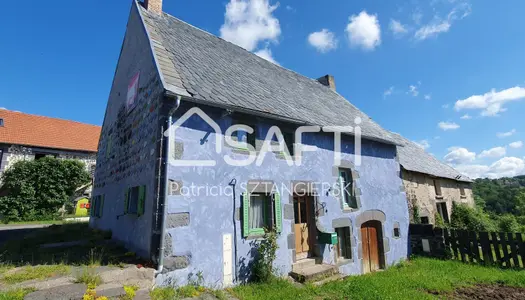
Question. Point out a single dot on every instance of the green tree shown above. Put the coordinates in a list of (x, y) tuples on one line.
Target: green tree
[(468, 218), (508, 223), (36, 189)]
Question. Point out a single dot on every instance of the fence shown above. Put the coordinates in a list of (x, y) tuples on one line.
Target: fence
[(487, 248)]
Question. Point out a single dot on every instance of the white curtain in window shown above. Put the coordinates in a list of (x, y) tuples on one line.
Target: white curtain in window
[(256, 211)]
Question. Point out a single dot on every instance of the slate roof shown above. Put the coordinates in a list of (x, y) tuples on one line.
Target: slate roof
[(38, 131), (414, 158), (216, 72)]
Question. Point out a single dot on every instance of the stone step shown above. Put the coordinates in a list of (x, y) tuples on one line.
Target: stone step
[(314, 273), (303, 264), (335, 277)]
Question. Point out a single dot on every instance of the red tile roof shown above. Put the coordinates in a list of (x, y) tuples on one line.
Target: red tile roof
[(37, 131)]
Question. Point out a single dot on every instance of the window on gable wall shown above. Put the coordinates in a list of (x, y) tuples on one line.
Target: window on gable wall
[(346, 183), (97, 206), (442, 210), (1, 122), (260, 211), (289, 139), (437, 188), (462, 190), (134, 200)]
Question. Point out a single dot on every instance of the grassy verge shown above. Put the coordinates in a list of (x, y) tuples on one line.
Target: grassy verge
[(45, 222), (31, 273), (411, 280), (16, 294), (94, 247)]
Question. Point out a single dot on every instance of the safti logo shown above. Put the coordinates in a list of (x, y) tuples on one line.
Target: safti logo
[(273, 133)]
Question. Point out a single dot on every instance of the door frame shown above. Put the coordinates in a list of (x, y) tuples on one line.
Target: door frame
[(373, 215), (310, 223)]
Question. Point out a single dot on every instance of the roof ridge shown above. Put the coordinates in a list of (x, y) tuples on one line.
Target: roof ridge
[(47, 117)]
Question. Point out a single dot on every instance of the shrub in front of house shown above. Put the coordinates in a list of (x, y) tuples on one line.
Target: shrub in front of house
[(35, 190)]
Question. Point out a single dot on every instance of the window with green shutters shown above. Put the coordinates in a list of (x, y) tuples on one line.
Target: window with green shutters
[(97, 206), (261, 210), (135, 200)]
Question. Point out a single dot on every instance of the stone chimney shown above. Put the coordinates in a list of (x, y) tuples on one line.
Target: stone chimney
[(327, 80), (154, 6)]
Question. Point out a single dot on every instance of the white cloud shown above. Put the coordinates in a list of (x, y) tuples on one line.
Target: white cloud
[(466, 117), (266, 54), (491, 103), (493, 153), (506, 134), (428, 97), (440, 25), (364, 31), (445, 106), (388, 92), (412, 89), (459, 155), (423, 144), (473, 171), (506, 167), (516, 145), (249, 22), (448, 126), (323, 40), (397, 28)]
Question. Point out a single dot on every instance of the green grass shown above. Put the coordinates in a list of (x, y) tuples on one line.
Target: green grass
[(16, 294), (31, 273), (88, 277), (163, 293), (44, 222), (411, 280)]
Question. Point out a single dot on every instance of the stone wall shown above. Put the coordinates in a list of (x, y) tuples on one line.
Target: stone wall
[(129, 144), (419, 188), (427, 240)]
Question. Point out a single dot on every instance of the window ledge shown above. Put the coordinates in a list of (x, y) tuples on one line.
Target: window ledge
[(463, 197), (254, 237), (439, 197), (349, 209)]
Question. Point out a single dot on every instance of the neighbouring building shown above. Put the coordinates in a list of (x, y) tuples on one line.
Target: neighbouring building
[(27, 137), (190, 219), (430, 184)]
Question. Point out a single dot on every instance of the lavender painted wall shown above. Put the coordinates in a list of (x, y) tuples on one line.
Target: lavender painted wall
[(197, 244), (129, 144)]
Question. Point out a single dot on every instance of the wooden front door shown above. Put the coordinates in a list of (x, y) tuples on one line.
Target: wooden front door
[(303, 226), (372, 241)]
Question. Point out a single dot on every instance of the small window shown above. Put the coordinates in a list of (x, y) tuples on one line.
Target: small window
[(344, 243), (437, 188), (261, 211), (442, 211), (133, 200), (347, 188), (97, 206), (1, 122), (245, 137), (289, 138), (424, 220), (397, 233), (462, 190)]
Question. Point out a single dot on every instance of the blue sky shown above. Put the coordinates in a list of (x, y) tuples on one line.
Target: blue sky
[(410, 65)]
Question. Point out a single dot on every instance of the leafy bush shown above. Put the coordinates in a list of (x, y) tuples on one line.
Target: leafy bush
[(262, 270), (439, 222), (36, 189), (508, 223), (468, 218)]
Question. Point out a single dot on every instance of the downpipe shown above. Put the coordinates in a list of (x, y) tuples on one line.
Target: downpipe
[(166, 155)]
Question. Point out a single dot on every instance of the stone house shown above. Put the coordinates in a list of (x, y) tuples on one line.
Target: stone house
[(176, 92), (430, 184), (27, 137)]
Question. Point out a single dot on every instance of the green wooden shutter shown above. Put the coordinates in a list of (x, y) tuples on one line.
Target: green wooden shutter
[(246, 214), (142, 200), (101, 206), (126, 201), (278, 212)]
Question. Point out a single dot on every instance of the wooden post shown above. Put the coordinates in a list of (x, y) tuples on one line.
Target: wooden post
[(513, 250), (485, 248), (504, 249), (497, 250), (521, 249)]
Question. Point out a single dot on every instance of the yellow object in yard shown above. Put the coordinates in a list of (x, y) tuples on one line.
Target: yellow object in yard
[(81, 209)]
